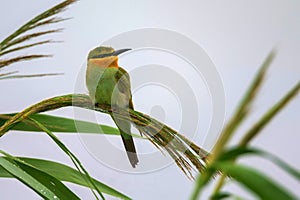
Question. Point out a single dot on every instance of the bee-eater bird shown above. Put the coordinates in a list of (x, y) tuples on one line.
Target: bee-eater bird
[(109, 84)]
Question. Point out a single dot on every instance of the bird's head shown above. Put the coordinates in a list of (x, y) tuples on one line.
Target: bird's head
[(105, 56)]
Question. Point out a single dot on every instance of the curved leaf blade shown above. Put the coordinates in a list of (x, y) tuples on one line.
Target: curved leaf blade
[(257, 183), (239, 151), (59, 124), (42, 183), (64, 173)]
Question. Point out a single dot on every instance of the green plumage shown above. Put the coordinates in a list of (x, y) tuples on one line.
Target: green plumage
[(110, 85)]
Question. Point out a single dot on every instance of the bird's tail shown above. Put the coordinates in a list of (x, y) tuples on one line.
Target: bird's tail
[(130, 150), (125, 131)]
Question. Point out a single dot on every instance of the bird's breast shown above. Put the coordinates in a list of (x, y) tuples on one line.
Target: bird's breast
[(102, 85)]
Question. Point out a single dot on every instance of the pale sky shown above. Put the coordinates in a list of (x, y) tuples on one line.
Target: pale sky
[(236, 36)]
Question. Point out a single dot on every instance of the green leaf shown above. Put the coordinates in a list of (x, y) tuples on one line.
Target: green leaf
[(259, 184), (38, 21), (239, 151), (221, 195), (29, 76), (9, 61), (235, 121), (73, 158), (202, 180), (60, 124), (268, 116), (22, 38), (162, 136), (42, 183), (243, 108), (64, 173), (225, 195)]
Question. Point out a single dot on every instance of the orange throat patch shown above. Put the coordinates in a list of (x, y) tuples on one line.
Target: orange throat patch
[(111, 61)]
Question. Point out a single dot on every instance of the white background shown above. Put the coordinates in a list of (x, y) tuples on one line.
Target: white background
[(237, 35)]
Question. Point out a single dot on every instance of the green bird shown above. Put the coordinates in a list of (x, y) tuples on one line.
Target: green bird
[(109, 84)]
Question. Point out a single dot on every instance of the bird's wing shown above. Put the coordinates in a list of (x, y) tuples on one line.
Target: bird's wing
[(125, 87), (123, 84), (123, 80)]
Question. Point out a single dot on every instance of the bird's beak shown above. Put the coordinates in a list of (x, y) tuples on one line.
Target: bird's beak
[(118, 52), (115, 53)]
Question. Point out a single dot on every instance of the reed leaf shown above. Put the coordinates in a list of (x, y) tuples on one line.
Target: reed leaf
[(235, 152), (37, 21), (7, 74), (269, 115), (25, 47), (238, 117), (63, 173), (21, 39), (4, 63), (29, 76), (26, 38), (73, 158), (243, 108), (42, 183), (60, 124), (159, 134), (258, 126)]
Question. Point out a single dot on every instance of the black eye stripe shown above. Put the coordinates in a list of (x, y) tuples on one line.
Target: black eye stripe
[(115, 53), (103, 55)]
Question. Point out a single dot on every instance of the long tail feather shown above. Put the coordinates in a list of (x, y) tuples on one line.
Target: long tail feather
[(131, 152), (125, 131)]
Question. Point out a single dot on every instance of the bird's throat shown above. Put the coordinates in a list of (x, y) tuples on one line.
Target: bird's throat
[(105, 62)]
